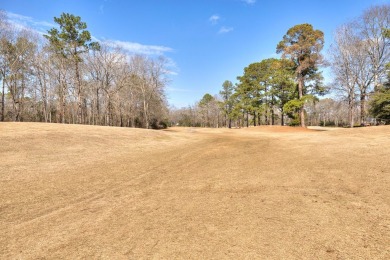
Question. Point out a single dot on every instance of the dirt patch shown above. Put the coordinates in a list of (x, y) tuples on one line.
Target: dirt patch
[(264, 192)]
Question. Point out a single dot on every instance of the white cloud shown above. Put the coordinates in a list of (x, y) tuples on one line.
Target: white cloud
[(134, 47), (18, 17), (249, 2), (171, 89), (45, 24), (225, 30), (171, 72), (24, 22), (21, 22), (93, 38), (171, 67), (214, 19)]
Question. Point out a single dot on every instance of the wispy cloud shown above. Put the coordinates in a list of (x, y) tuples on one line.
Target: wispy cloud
[(102, 6), (23, 22), (225, 30), (137, 48), (171, 72), (171, 89), (249, 2), (172, 68), (214, 19)]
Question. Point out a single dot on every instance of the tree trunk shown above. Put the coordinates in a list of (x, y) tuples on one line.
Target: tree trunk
[(21, 102), (63, 104), (146, 114), (272, 110), (15, 103), (79, 99), (350, 111), (97, 119), (3, 102), (300, 95), (376, 81), (44, 96), (362, 108)]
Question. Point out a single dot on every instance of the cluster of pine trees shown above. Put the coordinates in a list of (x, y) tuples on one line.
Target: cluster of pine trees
[(65, 77), (287, 90)]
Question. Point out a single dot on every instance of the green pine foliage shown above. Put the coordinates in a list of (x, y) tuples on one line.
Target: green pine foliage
[(72, 39), (303, 45), (380, 103), (380, 100)]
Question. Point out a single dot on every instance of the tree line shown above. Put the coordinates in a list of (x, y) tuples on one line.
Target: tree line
[(65, 77), (288, 90)]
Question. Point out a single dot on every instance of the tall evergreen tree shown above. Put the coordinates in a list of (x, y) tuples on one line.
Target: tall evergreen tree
[(302, 44), (284, 87), (227, 104), (206, 105), (249, 91), (380, 104), (71, 42)]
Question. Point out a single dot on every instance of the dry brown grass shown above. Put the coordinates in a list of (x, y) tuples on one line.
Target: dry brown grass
[(71, 191)]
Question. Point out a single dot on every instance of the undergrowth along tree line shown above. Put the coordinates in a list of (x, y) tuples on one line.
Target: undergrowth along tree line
[(288, 90), (65, 77)]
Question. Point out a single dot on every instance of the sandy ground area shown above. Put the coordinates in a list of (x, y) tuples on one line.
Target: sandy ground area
[(71, 191)]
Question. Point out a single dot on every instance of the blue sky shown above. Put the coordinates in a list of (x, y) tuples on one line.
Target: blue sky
[(205, 41)]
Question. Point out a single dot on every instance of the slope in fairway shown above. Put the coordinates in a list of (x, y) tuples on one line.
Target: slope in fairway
[(72, 191)]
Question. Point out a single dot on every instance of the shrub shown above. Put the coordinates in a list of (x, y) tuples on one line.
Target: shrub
[(158, 124)]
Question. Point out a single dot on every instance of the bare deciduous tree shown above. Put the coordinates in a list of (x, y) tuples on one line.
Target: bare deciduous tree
[(359, 56), (372, 24)]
